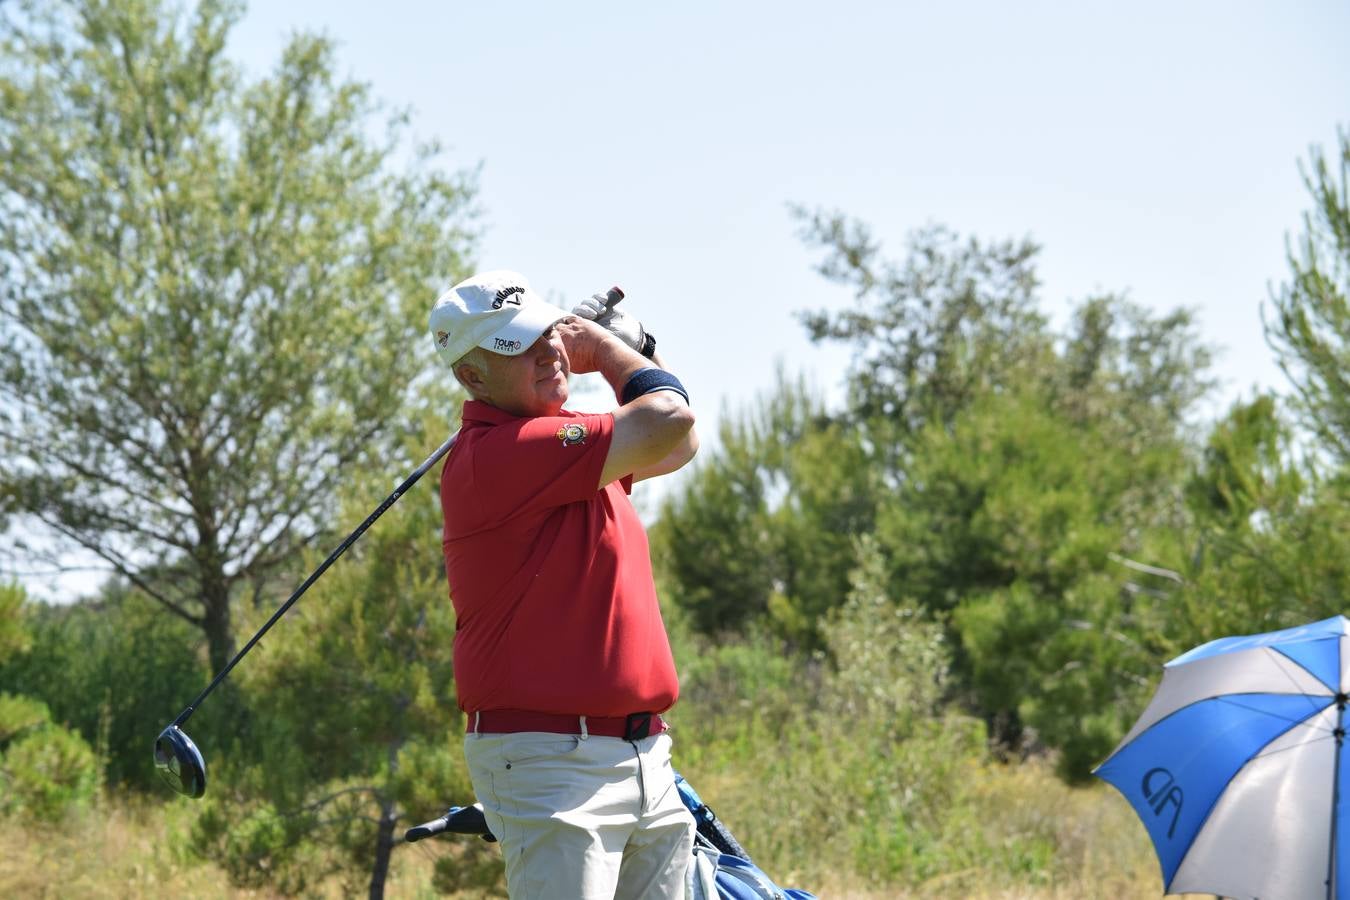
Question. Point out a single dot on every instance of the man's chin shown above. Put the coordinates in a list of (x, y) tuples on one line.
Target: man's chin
[(555, 402)]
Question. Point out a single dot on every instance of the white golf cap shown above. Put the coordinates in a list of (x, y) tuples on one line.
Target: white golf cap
[(493, 310)]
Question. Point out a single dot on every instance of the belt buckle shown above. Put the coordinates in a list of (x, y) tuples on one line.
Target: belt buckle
[(637, 726)]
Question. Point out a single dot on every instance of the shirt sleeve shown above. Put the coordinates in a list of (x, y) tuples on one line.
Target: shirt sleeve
[(537, 463)]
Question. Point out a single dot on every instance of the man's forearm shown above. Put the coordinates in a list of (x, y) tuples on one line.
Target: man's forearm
[(617, 362), (682, 452)]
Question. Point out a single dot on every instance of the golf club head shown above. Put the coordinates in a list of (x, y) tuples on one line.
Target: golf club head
[(180, 763)]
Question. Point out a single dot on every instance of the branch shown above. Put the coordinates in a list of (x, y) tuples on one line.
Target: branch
[(121, 568), (159, 415), (324, 801), (1141, 567), (352, 818), (64, 509)]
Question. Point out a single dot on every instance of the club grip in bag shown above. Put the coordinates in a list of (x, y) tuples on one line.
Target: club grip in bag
[(706, 821)]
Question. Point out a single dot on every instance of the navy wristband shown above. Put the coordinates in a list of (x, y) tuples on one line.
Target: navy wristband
[(647, 381)]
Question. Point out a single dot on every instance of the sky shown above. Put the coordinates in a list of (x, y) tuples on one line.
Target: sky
[(1151, 149)]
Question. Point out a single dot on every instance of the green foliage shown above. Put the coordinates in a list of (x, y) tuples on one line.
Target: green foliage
[(891, 665), (1132, 374), (1244, 469), (116, 670), (470, 869), (713, 539), (46, 772), (1007, 474), (952, 320), (20, 715), (14, 636), (1309, 325), (210, 288), (1268, 538), (764, 527), (830, 493), (866, 753), (1011, 520)]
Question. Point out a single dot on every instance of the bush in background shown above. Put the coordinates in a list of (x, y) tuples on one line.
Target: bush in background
[(46, 771), (114, 669), (852, 759)]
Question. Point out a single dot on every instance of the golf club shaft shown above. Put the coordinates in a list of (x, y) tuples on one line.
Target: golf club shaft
[(323, 567)]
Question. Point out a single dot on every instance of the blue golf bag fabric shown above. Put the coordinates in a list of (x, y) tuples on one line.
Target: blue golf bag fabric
[(721, 869), (721, 876)]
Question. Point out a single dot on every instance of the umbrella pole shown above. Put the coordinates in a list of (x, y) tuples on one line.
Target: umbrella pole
[(1339, 733)]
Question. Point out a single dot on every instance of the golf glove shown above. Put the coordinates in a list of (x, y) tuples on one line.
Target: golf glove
[(618, 323)]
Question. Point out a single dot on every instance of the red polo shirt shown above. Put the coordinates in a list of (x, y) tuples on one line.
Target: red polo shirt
[(550, 577)]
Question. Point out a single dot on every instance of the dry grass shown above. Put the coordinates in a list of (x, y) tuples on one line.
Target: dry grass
[(114, 851), (131, 850), (136, 850)]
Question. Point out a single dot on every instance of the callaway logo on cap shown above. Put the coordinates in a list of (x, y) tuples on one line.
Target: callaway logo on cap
[(493, 310)]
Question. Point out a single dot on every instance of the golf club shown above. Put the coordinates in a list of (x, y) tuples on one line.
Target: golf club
[(179, 762), (177, 758)]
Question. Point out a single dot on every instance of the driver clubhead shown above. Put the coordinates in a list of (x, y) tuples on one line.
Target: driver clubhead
[(180, 763)]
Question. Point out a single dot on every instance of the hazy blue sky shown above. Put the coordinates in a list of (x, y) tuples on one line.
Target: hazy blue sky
[(1151, 148)]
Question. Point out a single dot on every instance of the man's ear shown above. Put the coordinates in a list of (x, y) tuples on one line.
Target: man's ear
[(472, 379)]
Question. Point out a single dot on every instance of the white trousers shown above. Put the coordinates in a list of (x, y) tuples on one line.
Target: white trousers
[(583, 818)]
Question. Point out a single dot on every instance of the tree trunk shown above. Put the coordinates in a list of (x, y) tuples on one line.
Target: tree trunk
[(384, 837), (216, 619), (384, 848)]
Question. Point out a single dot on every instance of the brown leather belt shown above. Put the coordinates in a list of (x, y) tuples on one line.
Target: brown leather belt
[(632, 727)]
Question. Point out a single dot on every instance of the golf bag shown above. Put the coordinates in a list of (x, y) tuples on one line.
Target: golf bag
[(720, 869)]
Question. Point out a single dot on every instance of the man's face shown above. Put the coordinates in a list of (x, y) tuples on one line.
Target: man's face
[(532, 383)]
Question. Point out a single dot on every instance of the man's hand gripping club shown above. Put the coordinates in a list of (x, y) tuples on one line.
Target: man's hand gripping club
[(653, 431), (603, 310)]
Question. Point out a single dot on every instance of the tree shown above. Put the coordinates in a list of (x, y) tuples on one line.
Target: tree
[(1009, 523), (1265, 549), (764, 526), (955, 318), (209, 289), (1309, 328), (1125, 370)]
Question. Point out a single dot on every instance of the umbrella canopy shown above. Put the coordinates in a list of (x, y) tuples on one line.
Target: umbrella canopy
[(1236, 770)]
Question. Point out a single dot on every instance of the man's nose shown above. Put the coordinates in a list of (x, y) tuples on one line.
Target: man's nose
[(547, 351)]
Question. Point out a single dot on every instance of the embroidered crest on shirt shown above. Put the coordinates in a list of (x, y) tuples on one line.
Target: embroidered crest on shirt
[(572, 434)]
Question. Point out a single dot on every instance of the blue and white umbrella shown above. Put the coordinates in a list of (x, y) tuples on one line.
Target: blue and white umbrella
[(1236, 766)]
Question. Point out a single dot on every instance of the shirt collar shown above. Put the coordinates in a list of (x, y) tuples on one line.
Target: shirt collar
[(476, 412)]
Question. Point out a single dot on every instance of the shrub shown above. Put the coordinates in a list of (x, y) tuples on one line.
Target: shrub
[(46, 771), (116, 670)]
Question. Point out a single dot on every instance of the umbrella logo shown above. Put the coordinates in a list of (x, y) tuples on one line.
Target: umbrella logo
[(1161, 789), (1245, 733)]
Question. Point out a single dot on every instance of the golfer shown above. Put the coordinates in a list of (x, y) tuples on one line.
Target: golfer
[(562, 663)]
